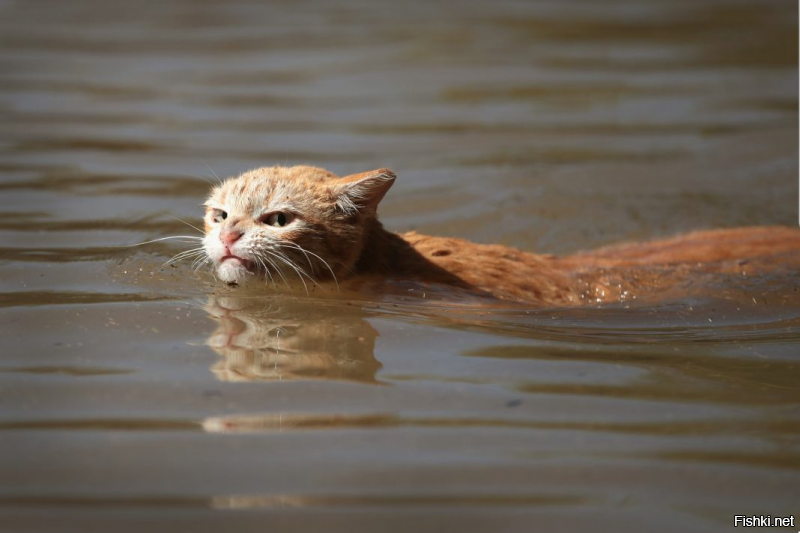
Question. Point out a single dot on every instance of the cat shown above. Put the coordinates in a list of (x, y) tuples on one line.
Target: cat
[(305, 225)]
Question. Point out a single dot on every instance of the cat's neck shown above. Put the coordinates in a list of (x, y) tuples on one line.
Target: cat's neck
[(384, 252), (389, 255)]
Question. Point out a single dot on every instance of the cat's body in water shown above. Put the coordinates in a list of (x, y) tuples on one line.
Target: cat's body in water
[(304, 225)]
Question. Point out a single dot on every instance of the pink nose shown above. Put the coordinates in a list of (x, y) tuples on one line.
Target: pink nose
[(230, 237)]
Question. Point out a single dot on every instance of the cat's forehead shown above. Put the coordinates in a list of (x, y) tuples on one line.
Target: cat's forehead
[(258, 187)]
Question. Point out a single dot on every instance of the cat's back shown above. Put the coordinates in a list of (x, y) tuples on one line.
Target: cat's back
[(736, 245), (610, 273), (501, 271)]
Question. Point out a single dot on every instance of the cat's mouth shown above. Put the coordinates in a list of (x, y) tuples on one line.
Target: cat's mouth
[(244, 262)]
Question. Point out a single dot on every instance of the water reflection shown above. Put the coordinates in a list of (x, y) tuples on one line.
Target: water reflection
[(549, 126), (272, 340)]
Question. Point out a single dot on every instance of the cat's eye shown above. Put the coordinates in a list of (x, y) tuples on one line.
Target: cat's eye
[(278, 219), (218, 215)]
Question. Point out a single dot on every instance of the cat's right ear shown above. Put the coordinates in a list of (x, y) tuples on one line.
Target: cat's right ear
[(363, 192)]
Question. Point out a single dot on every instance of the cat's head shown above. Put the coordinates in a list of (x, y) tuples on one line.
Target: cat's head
[(291, 222)]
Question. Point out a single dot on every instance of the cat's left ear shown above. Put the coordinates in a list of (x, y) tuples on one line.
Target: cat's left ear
[(364, 191)]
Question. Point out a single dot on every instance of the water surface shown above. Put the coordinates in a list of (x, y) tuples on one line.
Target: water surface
[(137, 396)]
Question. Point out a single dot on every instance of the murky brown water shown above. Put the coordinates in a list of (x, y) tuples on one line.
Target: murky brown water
[(139, 397)]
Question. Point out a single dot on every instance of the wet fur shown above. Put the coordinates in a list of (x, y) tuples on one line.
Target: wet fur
[(337, 237)]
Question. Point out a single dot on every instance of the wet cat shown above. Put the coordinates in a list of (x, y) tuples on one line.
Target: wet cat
[(305, 225)]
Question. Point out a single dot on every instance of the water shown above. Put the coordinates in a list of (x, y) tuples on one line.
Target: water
[(135, 396)]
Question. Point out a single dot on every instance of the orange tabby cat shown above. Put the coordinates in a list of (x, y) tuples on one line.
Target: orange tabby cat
[(290, 224)]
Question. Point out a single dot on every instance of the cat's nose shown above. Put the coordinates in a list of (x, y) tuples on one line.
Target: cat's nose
[(230, 237)]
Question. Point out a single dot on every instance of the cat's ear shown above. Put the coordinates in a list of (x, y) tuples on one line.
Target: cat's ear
[(364, 191)]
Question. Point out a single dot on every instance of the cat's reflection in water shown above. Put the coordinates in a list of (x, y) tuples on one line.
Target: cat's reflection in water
[(289, 340)]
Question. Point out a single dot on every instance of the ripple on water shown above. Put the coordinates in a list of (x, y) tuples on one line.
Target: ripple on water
[(137, 397)]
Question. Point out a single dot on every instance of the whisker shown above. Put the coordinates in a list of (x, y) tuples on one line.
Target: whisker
[(299, 271), (187, 223), (184, 255), (328, 266), (200, 261), (199, 248), (271, 277), (192, 237), (189, 252), (262, 266), (266, 270), (278, 270), (177, 260), (195, 176), (297, 267), (219, 180), (298, 247)]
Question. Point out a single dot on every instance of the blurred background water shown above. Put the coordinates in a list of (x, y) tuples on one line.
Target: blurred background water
[(138, 396)]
